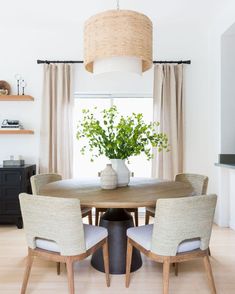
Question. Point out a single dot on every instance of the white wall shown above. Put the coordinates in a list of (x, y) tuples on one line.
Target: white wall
[(227, 93), (224, 18), (226, 200)]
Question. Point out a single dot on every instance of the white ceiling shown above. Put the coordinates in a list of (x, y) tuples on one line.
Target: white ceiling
[(43, 13)]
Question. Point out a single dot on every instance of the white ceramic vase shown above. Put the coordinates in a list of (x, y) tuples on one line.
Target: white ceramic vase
[(108, 178), (123, 173)]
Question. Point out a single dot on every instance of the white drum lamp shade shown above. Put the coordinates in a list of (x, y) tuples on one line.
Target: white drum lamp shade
[(118, 40)]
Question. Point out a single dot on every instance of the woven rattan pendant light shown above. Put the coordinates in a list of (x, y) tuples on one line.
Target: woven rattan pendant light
[(118, 40)]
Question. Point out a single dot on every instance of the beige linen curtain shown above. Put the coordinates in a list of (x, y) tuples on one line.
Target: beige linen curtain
[(56, 152), (168, 104)]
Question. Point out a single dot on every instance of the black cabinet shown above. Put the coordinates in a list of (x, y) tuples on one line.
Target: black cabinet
[(13, 181)]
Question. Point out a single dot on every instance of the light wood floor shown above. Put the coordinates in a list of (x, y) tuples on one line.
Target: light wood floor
[(148, 279)]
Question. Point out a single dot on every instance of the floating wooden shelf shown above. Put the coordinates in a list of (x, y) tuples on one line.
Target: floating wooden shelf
[(16, 98), (16, 132)]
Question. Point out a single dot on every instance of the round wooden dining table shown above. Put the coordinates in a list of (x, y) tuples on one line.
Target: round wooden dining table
[(140, 192)]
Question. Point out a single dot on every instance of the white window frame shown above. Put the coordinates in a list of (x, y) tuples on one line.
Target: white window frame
[(109, 95)]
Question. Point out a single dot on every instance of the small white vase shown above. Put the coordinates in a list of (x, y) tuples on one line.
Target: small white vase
[(123, 173), (108, 178)]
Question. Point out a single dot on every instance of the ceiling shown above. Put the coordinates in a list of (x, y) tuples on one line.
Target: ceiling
[(43, 13)]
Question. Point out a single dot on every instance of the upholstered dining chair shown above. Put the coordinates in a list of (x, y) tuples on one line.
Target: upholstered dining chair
[(198, 182), (40, 180), (181, 232), (54, 231)]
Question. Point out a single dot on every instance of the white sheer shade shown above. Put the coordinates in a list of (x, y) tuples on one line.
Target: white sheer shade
[(118, 64)]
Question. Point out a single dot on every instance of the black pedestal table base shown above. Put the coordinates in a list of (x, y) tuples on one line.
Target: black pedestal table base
[(117, 221)]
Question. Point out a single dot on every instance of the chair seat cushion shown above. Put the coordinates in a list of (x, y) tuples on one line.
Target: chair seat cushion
[(92, 235), (47, 245), (143, 236), (189, 245)]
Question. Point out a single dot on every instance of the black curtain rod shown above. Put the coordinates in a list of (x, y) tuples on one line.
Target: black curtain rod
[(179, 61), (81, 61), (58, 61)]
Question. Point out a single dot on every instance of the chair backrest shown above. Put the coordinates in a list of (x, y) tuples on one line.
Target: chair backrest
[(199, 183), (40, 180), (182, 219), (55, 219)]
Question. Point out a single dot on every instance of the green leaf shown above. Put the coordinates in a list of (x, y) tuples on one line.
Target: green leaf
[(117, 136)]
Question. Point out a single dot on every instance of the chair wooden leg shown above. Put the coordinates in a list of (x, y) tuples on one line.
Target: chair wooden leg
[(27, 272), (136, 218), (90, 217), (128, 262), (96, 216), (58, 268), (70, 274), (207, 265), (166, 274), (176, 269), (147, 215), (209, 251), (106, 262)]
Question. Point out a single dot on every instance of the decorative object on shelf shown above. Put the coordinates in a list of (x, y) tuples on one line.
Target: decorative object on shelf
[(108, 178), (11, 124), (18, 80), (3, 92), (123, 173), (119, 137), (5, 88), (23, 85), (118, 40), (14, 162)]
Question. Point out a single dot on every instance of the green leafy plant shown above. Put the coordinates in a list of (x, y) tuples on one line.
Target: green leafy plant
[(119, 137)]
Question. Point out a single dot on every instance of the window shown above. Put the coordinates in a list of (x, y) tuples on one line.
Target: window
[(83, 167)]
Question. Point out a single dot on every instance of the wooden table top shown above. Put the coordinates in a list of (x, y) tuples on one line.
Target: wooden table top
[(140, 192)]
